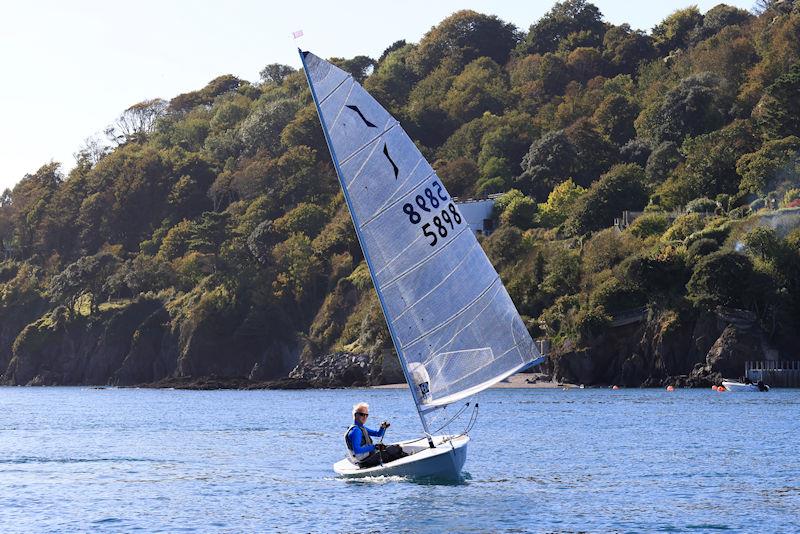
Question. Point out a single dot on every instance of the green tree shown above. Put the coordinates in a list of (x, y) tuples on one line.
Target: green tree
[(481, 87), (621, 188), (777, 161), (305, 218), (778, 112), (721, 279), (564, 19), (709, 168), (464, 36), (560, 203), (676, 30), (614, 118), (275, 73), (696, 106)]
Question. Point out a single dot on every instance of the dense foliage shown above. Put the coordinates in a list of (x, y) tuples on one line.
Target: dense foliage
[(222, 204)]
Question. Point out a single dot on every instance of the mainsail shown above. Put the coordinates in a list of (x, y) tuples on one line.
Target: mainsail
[(453, 324)]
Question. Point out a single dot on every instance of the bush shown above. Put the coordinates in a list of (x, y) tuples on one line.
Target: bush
[(505, 244), (701, 205), (701, 247), (614, 295), (649, 224), (683, 227), (621, 188), (520, 213), (591, 322), (606, 249), (721, 279)]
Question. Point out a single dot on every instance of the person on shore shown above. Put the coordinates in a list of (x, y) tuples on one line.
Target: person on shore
[(358, 438)]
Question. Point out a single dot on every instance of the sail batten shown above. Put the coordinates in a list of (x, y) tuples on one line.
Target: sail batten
[(452, 322)]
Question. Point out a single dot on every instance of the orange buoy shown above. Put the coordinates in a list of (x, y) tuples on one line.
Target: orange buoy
[(615, 387), (670, 388), (721, 389)]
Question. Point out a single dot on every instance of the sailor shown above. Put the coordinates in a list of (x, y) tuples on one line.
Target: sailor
[(358, 438)]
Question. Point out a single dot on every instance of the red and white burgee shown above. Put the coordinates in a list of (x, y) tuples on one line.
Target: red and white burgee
[(298, 33)]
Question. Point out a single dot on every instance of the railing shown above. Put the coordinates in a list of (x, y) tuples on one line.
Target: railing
[(782, 374), (631, 316)]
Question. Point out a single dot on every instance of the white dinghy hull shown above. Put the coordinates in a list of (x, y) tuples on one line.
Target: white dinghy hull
[(442, 462), (741, 387)]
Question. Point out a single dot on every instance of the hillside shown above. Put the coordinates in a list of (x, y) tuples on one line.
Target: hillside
[(209, 239)]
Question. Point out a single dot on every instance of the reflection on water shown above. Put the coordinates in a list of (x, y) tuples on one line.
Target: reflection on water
[(118, 460)]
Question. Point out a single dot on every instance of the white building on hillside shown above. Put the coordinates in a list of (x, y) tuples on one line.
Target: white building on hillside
[(478, 213)]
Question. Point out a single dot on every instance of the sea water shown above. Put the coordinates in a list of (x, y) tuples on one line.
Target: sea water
[(120, 460)]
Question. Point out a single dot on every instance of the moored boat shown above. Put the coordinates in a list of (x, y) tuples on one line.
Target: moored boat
[(733, 386)]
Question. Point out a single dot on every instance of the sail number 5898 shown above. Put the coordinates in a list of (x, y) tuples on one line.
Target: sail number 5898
[(430, 202)]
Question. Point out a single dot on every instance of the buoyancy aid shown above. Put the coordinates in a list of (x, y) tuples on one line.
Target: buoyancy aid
[(365, 440)]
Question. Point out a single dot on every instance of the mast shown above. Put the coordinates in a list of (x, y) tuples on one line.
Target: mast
[(364, 250)]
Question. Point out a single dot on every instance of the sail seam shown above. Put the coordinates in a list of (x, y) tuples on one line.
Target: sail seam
[(365, 145), (421, 262), (443, 280), (361, 169), (348, 77), (455, 316), (339, 113), (445, 344), (391, 203)]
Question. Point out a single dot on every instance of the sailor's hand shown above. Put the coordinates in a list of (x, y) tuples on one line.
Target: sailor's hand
[(385, 424), (380, 447)]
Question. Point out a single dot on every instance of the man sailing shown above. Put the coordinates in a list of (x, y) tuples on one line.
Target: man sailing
[(358, 438)]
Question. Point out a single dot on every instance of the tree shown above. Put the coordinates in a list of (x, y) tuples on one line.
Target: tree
[(550, 160), (458, 175), (464, 36), (696, 106), (709, 168), (560, 203), (614, 118), (564, 19), (392, 81), (721, 279), (520, 212), (624, 48), (275, 73), (359, 67), (481, 87), (305, 218), (621, 188), (84, 277), (675, 30), (776, 162), (504, 245), (778, 112), (717, 18), (263, 127), (585, 63), (137, 121)]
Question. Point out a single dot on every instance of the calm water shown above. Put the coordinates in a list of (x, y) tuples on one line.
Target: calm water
[(78, 459)]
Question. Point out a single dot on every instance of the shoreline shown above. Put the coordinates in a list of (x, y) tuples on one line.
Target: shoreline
[(517, 381)]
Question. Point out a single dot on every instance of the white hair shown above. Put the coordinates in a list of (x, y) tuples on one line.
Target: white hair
[(357, 407)]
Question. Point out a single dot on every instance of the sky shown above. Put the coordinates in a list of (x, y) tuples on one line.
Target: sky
[(68, 69)]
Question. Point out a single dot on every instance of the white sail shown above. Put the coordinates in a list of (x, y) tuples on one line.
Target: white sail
[(453, 324)]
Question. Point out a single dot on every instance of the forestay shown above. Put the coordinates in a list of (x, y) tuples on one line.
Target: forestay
[(453, 324)]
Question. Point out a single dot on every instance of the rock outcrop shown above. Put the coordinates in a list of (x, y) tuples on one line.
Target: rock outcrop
[(668, 348)]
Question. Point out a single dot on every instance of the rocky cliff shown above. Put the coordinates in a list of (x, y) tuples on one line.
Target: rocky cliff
[(667, 348)]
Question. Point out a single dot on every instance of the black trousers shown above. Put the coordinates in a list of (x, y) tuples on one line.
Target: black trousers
[(390, 454)]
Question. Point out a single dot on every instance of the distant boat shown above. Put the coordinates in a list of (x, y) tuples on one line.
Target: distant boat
[(455, 329), (742, 386)]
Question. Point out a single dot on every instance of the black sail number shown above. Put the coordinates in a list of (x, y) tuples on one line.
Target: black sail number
[(445, 217)]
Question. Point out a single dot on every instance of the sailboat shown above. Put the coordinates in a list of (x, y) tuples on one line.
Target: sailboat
[(453, 325)]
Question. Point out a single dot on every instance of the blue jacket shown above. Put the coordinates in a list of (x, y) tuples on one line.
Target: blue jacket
[(354, 437)]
